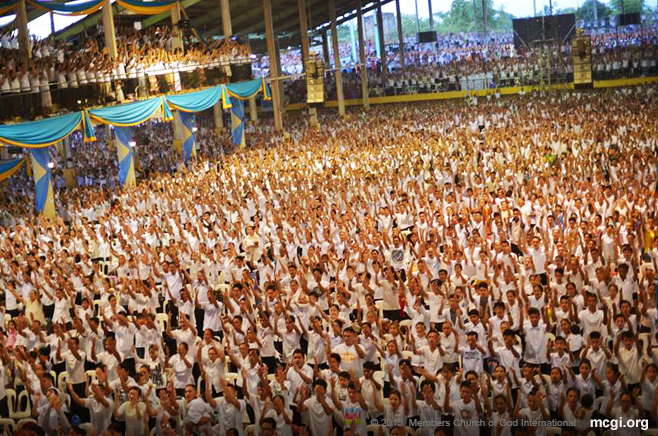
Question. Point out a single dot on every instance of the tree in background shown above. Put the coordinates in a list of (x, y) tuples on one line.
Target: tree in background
[(606, 10)]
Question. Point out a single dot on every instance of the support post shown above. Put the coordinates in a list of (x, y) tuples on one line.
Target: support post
[(400, 35), (108, 29), (217, 115), (362, 58), (303, 29), (253, 110), (178, 134), (274, 73), (227, 26), (382, 43), (429, 6), (337, 71), (325, 48), (175, 19), (484, 16), (23, 35)]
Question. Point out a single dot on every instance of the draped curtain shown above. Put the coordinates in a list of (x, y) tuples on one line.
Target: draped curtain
[(124, 136), (237, 121)]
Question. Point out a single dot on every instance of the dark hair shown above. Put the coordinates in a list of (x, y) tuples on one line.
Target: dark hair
[(269, 420), (320, 382)]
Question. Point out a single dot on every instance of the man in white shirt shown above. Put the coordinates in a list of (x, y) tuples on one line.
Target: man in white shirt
[(75, 371), (320, 413), (351, 354)]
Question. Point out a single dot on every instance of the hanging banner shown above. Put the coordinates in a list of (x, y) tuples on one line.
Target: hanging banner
[(124, 143), (132, 114), (46, 132), (148, 8), (237, 121), (196, 101), (9, 167), (189, 137), (84, 8), (44, 198)]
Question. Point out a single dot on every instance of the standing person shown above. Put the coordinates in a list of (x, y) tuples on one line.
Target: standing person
[(133, 412), (318, 408), (74, 359)]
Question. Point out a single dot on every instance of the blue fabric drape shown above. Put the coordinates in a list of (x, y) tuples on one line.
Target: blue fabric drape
[(43, 187), (9, 167), (40, 133), (244, 91), (124, 136), (196, 101), (84, 8), (189, 136), (46, 132), (237, 121), (131, 114)]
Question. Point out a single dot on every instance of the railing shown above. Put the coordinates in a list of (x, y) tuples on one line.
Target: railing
[(71, 95)]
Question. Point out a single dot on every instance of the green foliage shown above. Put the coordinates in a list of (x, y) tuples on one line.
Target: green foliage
[(459, 18)]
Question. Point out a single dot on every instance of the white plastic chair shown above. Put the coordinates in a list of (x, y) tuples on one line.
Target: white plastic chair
[(88, 428), (61, 381), (24, 422), (553, 431), (231, 377), (7, 424)]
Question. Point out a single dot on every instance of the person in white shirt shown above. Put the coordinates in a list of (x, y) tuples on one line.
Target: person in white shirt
[(231, 410), (319, 411), (75, 370)]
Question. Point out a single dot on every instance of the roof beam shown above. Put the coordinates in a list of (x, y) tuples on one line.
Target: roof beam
[(286, 13)]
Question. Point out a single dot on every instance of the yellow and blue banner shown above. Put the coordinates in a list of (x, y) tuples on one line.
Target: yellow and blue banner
[(91, 6), (84, 8), (196, 101), (237, 121), (188, 120), (123, 138), (244, 91), (132, 114), (9, 167), (148, 7), (46, 132), (44, 198)]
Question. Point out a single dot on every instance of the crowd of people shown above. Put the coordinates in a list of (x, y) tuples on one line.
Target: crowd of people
[(82, 73), (460, 265), (472, 62)]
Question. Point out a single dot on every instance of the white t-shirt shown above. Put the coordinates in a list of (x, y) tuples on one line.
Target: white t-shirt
[(134, 425), (101, 416), (230, 416), (349, 359), (320, 421), (468, 416), (74, 367)]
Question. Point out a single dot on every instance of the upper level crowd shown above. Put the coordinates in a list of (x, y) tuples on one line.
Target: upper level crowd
[(459, 263), (469, 62), (82, 73)]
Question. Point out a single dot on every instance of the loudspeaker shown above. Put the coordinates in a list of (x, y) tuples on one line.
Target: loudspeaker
[(632, 18), (424, 37), (314, 80), (581, 47), (555, 27), (241, 72)]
